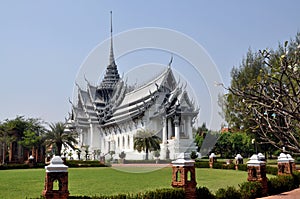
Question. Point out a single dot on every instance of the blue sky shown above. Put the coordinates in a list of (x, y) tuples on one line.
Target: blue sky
[(43, 43)]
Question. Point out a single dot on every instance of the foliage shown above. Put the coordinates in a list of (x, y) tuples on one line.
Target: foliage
[(167, 193), (59, 137), (25, 131), (193, 155), (280, 184), (228, 193), (200, 134), (30, 139), (156, 153), (251, 190), (222, 165), (201, 164), (272, 170), (122, 155), (81, 163), (14, 166), (242, 167), (203, 192), (229, 144), (264, 96), (146, 140), (147, 161), (296, 176)]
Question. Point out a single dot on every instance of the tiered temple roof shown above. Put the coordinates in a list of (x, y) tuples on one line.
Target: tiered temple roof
[(111, 102)]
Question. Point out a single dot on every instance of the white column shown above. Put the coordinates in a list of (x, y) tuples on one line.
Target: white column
[(170, 133), (189, 127), (126, 141), (131, 145), (164, 133), (176, 122), (91, 143)]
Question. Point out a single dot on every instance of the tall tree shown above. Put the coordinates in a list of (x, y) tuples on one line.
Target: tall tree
[(19, 129), (146, 140), (58, 136), (5, 140), (200, 134), (269, 104)]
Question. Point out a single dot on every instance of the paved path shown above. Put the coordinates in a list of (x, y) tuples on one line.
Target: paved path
[(294, 194)]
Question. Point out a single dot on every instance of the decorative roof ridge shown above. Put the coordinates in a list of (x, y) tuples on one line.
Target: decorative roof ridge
[(162, 75)]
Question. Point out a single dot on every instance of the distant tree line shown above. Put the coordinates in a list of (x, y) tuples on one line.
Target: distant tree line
[(23, 137)]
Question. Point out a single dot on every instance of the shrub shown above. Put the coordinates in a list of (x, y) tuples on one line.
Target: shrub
[(228, 193), (193, 155), (146, 161), (272, 170), (14, 166), (203, 192), (280, 184), (218, 165), (223, 165), (250, 190), (164, 194), (157, 194), (296, 176), (81, 163), (201, 164), (242, 167)]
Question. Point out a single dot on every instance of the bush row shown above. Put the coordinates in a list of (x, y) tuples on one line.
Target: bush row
[(247, 190), (146, 161), (242, 167), (81, 163), (157, 194), (21, 166), (252, 190)]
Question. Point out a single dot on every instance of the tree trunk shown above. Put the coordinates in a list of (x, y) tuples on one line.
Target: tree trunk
[(147, 152), (59, 146)]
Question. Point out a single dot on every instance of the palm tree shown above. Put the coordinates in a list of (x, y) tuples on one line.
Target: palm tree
[(146, 140), (58, 136)]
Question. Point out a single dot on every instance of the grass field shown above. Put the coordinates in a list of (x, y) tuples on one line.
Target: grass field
[(106, 181)]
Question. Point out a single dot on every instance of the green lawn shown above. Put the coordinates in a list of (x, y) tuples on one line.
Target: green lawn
[(106, 181)]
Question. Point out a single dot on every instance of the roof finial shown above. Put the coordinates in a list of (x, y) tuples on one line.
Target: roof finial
[(171, 60), (111, 56)]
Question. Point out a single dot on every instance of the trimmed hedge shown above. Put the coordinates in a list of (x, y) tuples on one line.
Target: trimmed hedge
[(272, 170), (146, 161), (242, 167), (81, 163), (228, 193), (251, 190), (203, 192), (14, 166), (222, 165), (281, 184), (157, 194), (21, 166), (202, 164)]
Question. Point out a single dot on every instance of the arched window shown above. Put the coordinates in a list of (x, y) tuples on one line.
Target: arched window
[(189, 176), (178, 176), (55, 185)]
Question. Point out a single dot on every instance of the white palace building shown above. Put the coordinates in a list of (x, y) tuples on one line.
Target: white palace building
[(108, 115)]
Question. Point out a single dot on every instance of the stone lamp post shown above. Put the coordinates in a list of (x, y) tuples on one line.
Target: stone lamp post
[(212, 159), (257, 171), (184, 176), (56, 172), (286, 164), (238, 160)]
